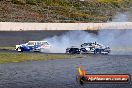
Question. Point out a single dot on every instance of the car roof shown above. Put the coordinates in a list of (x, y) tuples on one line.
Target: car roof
[(74, 47), (37, 41)]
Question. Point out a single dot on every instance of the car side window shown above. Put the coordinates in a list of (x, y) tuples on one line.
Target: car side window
[(38, 43), (45, 43), (30, 43)]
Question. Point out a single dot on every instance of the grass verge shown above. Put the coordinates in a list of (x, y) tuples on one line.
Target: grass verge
[(21, 57)]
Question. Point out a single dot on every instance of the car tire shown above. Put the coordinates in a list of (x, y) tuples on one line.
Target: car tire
[(20, 49), (100, 52), (95, 52)]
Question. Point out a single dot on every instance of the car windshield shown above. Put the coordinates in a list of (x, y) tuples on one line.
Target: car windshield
[(87, 44)]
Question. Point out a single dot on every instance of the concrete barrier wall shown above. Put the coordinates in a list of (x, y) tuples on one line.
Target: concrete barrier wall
[(18, 26)]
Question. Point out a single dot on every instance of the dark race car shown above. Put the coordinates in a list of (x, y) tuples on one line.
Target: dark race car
[(73, 50)]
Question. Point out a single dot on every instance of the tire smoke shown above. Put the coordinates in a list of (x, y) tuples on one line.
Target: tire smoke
[(71, 38), (123, 16), (120, 41)]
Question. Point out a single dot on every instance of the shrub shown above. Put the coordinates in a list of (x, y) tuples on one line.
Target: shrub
[(32, 2), (21, 2)]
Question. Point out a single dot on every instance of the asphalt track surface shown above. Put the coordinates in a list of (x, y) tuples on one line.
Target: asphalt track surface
[(61, 73)]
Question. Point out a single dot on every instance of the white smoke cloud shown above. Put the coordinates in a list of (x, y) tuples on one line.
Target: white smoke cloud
[(120, 17), (71, 38), (123, 16), (120, 41)]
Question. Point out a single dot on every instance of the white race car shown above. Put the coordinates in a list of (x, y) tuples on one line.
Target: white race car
[(39, 46), (94, 48)]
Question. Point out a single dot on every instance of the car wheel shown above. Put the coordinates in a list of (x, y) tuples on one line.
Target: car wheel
[(95, 52), (100, 52), (19, 49)]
